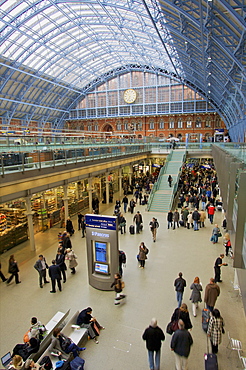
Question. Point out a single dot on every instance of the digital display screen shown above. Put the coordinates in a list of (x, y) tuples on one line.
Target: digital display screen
[(101, 252), (101, 268)]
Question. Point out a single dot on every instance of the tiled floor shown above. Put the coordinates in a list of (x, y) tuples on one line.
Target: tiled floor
[(150, 293)]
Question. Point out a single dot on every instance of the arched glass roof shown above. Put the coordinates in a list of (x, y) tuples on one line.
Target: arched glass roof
[(54, 51)]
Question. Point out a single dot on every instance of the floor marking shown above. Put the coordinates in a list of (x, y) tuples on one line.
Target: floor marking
[(126, 344)]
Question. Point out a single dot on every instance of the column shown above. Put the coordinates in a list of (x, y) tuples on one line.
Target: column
[(107, 188), (120, 180), (150, 167), (65, 200), (29, 214), (90, 189), (130, 174), (144, 166)]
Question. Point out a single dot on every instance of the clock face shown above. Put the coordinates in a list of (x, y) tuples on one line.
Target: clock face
[(130, 96)]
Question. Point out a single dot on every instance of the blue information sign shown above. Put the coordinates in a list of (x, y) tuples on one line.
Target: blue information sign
[(100, 222)]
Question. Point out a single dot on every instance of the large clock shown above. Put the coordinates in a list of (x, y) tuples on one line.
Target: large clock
[(130, 96)]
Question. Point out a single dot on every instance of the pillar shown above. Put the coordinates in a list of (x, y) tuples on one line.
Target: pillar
[(107, 188), (65, 200), (144, 166), (130, 174), (150, 167), (29, 214), (120, 180), (90, 189)]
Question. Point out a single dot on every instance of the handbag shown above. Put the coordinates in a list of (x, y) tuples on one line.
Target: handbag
[(169, 329), (219, 234), (122, 285), (175, 325)]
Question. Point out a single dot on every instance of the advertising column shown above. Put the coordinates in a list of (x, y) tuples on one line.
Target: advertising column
[(102, 250)]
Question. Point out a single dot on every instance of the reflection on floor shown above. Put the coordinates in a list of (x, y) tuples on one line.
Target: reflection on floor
[(150, 293)]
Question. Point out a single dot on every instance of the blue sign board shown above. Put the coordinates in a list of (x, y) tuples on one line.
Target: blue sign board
[(101, 222)]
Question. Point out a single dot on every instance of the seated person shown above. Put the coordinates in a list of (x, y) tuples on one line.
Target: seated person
[(35, 330), (17, 363), (86, 320), (61, 344), (30, 365), (25, 350)]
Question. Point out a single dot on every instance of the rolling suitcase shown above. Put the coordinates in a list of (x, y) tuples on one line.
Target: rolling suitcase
[(205, 319), (132, 229), (210, 359)]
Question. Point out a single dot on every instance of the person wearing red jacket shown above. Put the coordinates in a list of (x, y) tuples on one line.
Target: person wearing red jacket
[(211, 210)]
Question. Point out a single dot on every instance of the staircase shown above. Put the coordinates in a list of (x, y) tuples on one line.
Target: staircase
[(162, 199)]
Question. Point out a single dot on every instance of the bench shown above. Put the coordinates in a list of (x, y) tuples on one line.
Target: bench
[(71, 330), (56, 321)]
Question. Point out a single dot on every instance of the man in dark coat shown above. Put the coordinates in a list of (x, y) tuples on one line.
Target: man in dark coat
[(60, 262), (41, 267), (153, 336), (179, 284), (196, 218), (180, 344), (55, 275), (212, 291), (170, 219), (138, 220)]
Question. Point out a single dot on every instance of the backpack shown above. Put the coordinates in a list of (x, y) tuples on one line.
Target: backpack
[(65, 342), (123, 257), (42, 331), (46, 363), (77, 363)]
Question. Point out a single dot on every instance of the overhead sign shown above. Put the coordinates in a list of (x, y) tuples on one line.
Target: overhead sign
[(101, 222)]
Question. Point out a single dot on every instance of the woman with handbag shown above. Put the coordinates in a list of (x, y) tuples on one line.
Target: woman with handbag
[(142, 254), (195, 297), (118, 287), (181, 313), (215, 330), (71, 257), (122, 223)]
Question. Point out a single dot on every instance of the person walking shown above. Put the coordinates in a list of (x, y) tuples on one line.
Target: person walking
[(195, 297), (122, 261), (55, 276), (215, 234), (175, 218), (154, 336), (122, 223), (212, 291), (170, 180), (83, 226), (79, 220), (215, 330), (183, 314), (211, 210), (217, 268), (132, 205), (60, 262), (13, 270), (118, 287), (202, 218), (71, 257), (142, 254), (138, 219), (170, 219), (1, 274), (41, 267), (154, 224), (125, 203), (179, 284), (181, 343), (69, 226)]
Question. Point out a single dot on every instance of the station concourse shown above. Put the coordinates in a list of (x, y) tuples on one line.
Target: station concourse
[(150, 293)]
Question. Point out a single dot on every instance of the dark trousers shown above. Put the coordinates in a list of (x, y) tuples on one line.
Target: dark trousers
[(83, 232), (214, 348), (142, 263), (216, 274), (53, 281), (42, 275), (15, 274), (64, 275), (2, 276), (175, 222)]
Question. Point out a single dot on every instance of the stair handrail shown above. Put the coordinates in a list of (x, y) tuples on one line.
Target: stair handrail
[(175, 187), (157, 183)]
